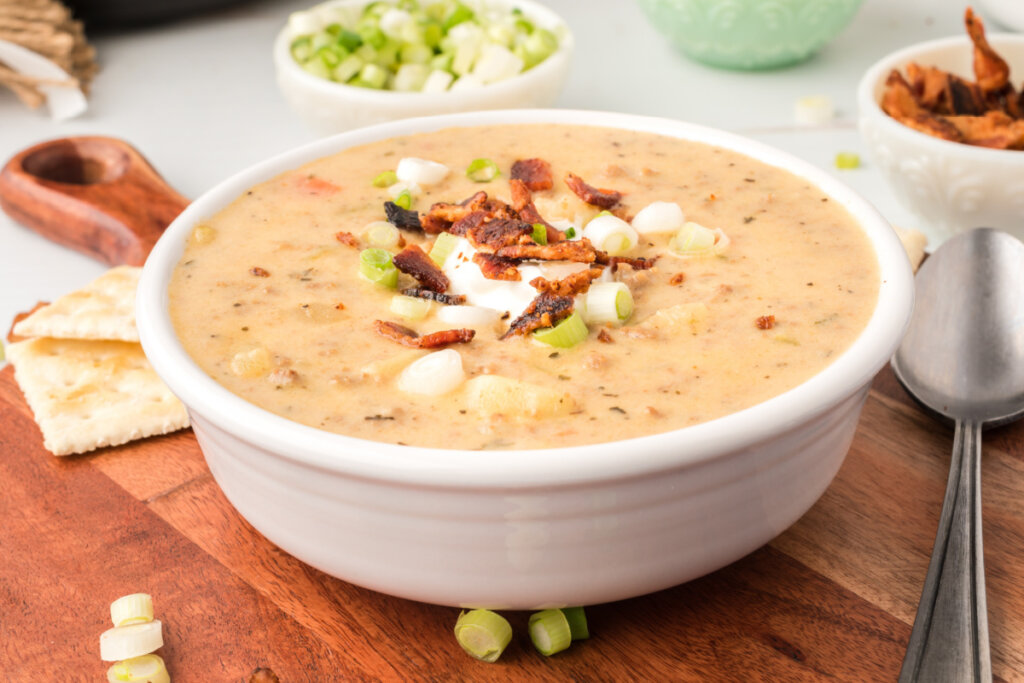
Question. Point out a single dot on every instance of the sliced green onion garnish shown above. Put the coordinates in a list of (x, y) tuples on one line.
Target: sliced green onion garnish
[(443, 246), (483, 634), (550, 631), (147, 669), (385, 179), (612, 234), (136, 608), (847, 160), (373, 76), (569, 332), (577, 622), (482, 171), (459, 14), (608, 302), (302, 49), (349, 40), (404, 199), (381, 234), (540, 233), (410, 307), (570, 233), (376, 266), (349, 67), (692, 238)]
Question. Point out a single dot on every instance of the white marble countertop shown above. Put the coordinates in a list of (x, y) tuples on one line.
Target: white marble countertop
[(198, 98)]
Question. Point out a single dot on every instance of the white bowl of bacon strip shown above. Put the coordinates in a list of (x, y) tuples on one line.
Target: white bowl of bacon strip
[(947, 130), (529, 528)]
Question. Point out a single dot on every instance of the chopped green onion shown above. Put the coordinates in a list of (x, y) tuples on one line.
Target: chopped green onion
[(612, 234), (577, 622), (373, 76), (540, 233), (135, 640), (385, 179), (608, 302), (550, 631), (459, 14), (349, 40), (483, 634), (444, 245), (302, 49), (376, 266), (136, 608), (381, 234), (404, 199), (847, 160), (482, 171), (570, 233), (411, 307), (349, 67), (147, 668), (565, 334), (692, 238)]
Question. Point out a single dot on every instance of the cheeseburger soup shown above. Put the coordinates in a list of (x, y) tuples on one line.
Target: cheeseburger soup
[(608, 285)]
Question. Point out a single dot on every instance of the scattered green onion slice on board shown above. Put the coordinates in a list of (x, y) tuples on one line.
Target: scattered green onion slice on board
[(385, 179), (550, 631), (135, 640), (482, 171), (376, 266), (565, 334), (846, 161), (483, 634), (147, 668), (136, 608), (540, 233), (444, 245), (577, 622)]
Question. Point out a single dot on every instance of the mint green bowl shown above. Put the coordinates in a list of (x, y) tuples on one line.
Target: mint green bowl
[(749, 34)]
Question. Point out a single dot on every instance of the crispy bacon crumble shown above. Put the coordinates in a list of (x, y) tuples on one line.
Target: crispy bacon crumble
[(534, 173), (603, 198), (347, 238), (407, 337), (414, 261), (546, 310), (259, 272), (403, 219), (765, 322), (495, 267), (431, 295)]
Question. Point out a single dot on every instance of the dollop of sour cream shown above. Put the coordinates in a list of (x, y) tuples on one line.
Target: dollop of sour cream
[(502, 295)]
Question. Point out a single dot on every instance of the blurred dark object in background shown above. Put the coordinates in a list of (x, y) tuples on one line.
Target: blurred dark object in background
[(112, 14)]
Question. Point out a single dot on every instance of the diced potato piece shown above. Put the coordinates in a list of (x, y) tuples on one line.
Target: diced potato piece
[(494, 394), (203, 234), (385, 369), (679, 319), (252, 363)]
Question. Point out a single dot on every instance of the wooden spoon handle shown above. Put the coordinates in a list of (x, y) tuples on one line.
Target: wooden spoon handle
[(96, 195)]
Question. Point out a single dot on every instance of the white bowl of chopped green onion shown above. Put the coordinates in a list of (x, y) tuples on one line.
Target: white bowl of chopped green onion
[(348, 63)]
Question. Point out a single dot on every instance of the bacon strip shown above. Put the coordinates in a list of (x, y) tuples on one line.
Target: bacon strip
[(990, 70), (406, 337), (473, 219), (603, 198), (640, 263), (431, 295), (534, 173), (404, 219), (495, 267), (581, 251), (547, 310), (500, 232), (414, 261), (571, 285)]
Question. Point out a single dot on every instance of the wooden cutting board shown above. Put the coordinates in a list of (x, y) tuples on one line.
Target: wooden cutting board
[(832, 598)]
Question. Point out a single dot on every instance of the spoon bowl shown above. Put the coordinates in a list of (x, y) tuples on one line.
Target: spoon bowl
[(963, 359)]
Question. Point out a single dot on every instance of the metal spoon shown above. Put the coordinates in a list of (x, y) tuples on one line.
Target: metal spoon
[(963, 358)]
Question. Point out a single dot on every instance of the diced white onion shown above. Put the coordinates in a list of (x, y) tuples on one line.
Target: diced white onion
[(466, 82), (131, 609), (393, 21), (496, 63), (612, 234), (659, 217), (722, 241), (813, 110), (410, 307), (476, 316), (125, 642), (420, 171), (694, 239), (434, 374), (437, 81), (401, 186)]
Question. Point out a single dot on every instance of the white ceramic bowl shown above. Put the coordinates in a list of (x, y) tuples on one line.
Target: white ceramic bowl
[(330, 107), (527, 529), (952, 186)]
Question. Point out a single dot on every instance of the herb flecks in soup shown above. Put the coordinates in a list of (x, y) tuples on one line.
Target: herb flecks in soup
[(594, 285)]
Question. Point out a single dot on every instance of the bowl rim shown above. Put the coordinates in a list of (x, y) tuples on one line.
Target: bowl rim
[(549, 68), (516, 469), (869, 106)]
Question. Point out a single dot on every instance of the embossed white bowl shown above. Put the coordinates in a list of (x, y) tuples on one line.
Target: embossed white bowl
[(531, 528), (952, 186), (329, 107)]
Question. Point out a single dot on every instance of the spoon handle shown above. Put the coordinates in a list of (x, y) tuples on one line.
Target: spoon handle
[(949, 641)]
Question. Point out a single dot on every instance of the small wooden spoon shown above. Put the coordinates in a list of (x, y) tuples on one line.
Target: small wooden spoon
[(96, 195)]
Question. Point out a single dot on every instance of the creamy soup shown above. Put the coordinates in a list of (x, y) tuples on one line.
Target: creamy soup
[(269, 301)]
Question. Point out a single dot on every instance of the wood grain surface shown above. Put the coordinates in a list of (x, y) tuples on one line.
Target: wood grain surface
[(831, 599)]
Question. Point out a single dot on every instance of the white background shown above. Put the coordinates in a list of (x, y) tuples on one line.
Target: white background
[(198, 99)]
